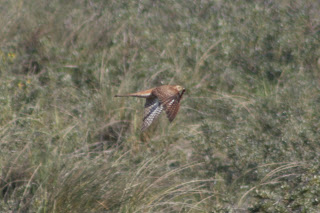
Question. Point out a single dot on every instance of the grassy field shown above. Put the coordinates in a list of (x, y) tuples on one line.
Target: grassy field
[(246, 139)]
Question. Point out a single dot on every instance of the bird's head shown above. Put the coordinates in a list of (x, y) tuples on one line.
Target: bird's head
[(180, 89)]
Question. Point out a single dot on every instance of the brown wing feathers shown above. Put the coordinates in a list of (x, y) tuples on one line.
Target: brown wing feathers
[(172, 109), (165, 97)]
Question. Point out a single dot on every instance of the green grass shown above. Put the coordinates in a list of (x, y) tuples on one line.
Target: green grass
[(246, 138)]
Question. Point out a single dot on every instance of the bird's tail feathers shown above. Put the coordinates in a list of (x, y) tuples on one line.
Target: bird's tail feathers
[(132, 95), (142, 94)]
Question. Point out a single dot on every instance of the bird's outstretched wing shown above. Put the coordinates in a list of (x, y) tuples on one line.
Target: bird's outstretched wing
[(152, 110), (172, 106), (170, 100)]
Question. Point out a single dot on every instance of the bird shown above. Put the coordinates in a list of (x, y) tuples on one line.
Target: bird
[(165, 97)]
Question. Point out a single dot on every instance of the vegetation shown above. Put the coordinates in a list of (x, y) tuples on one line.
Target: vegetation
[(247, 137)]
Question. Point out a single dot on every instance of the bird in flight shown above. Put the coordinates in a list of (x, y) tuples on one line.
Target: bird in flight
[(165, 97)]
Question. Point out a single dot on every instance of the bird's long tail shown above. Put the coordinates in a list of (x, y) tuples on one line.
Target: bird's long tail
[(142, 94), (127, 95)]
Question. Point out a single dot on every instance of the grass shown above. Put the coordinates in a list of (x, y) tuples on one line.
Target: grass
[(246, 138)]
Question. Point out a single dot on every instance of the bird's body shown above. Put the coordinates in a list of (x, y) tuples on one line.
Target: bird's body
[(165, 97)]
